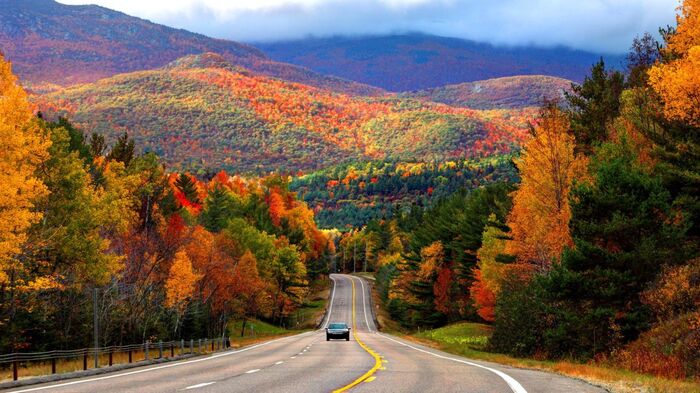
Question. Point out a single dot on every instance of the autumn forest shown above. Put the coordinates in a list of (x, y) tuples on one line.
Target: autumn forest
[(203, 190)]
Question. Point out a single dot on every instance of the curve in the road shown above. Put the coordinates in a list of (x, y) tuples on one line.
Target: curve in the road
[(514, 385)]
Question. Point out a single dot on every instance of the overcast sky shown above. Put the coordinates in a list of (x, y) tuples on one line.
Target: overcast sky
[(598, 25)]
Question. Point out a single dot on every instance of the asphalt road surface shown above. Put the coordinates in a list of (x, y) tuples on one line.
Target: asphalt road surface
[(369, 362)]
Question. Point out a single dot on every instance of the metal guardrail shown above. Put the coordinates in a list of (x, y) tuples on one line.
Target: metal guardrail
[(149, 350)]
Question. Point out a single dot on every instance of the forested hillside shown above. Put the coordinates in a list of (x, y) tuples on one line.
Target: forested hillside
[(200, 113), (501, 93), (593, 255), (170, 255), (51, 44), (351, 195)]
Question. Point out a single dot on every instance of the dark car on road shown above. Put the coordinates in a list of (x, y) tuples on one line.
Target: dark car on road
[(338, 330)]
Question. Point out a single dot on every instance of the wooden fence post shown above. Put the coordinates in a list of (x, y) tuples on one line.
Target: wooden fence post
[(15, 371)]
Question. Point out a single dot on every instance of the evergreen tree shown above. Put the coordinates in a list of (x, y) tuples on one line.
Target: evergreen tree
[(123, 150), (593, 105), (624, 230), (98, 146), (219, 208), (186, 185)]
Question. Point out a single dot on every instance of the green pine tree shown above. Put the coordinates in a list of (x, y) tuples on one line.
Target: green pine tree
[(593, 105)]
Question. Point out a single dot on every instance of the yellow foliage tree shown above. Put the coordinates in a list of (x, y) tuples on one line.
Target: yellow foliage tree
[(540, 216), (678, 81), (181, 281), (493, 244), (432, 257), (23, 148)]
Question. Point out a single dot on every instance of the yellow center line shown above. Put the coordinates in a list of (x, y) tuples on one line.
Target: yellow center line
[(377, 359)]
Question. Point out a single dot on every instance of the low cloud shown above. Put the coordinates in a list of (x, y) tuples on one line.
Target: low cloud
[(597, 25)]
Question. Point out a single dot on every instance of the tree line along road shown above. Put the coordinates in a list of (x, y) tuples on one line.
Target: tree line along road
[(370, 362)]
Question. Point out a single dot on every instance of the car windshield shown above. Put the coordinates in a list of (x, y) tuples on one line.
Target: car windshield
[(337, 326)]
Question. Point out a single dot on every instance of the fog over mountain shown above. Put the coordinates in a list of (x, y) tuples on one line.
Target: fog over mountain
[(594, 25)]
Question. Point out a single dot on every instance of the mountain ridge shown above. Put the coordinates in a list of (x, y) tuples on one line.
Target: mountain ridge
[(50, 42), (416, 61), (509, 92), (197, 113)]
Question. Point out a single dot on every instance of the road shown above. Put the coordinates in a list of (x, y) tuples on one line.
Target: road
[(369, 362)]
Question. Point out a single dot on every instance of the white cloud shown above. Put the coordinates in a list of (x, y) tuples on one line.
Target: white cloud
[(600, 25)]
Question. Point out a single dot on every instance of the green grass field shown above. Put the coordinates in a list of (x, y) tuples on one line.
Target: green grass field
[(470, 335)]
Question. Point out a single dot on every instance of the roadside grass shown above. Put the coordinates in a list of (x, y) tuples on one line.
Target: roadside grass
[(470, 340)]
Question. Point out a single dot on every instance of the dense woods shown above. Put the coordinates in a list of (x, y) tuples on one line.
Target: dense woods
[(351, 195), (200, 193), (594, 253), (170, 255)]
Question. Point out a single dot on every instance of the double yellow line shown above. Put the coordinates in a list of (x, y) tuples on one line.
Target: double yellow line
[(377, 359)]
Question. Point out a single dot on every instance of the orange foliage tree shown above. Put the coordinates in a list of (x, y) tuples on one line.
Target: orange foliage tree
[(540, 216), (180, 285), (483, 297), (23, 148), (677, 81)]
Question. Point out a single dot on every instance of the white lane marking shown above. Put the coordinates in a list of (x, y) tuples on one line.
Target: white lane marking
[(280, 362), (160, 367), (199, 385), (364, 304), (252, 371), (293, 357), (330, 308), (514, 385)]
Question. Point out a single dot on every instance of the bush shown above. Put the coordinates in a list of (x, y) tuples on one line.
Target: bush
[(519, 317)]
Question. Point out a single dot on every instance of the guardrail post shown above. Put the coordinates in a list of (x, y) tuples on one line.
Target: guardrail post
[(212, 345), (160, 349), (129, 355), (145, 345), (172, 349), (85, 360), (110, 356), (15, 370), (182, 347), (53, 365), (191, 346)]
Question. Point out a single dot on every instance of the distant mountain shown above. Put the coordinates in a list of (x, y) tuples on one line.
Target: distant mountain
[(508, 92), (417, 61), (49, 42), (200, 112)]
